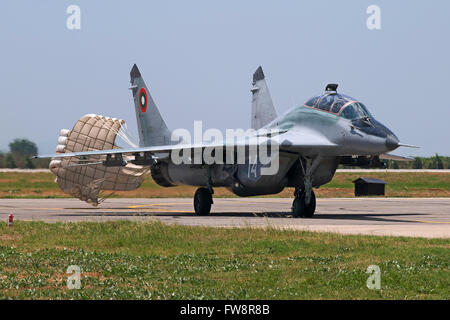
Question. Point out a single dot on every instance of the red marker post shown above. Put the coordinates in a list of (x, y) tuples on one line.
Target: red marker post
[(10, 220)]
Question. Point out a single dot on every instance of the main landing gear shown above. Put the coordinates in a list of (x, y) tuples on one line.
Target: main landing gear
[(203, 201), (203, 198)]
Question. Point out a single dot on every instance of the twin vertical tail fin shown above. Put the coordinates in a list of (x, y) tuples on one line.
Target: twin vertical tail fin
[(263, 110), (152, 129)]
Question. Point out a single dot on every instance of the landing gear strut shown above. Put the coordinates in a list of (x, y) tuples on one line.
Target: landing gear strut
[(202, 201), (304, 203)]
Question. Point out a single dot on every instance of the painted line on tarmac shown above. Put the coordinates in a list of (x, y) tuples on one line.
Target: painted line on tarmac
[(44, 208), (157, 210), (156, 204), (424, 221)]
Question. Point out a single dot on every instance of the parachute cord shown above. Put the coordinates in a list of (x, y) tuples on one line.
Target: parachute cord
[(129, 134), (105, 197), (121, 133)]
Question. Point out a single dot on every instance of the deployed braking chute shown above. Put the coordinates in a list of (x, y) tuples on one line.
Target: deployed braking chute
[(84, 178)]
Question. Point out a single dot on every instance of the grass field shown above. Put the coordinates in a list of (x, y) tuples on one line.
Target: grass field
[(130, 260), (402, 184)]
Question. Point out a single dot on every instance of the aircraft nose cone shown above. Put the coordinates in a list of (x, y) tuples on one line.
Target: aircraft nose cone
[(391, 142)]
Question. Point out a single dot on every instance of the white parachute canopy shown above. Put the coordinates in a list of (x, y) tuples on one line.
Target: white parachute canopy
[(85, 178)]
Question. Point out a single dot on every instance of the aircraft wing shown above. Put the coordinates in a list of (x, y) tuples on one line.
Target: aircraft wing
[(155, 149), (287, 141), (388, 156)]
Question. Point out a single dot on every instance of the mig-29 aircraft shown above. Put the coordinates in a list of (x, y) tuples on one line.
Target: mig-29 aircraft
[(312, 140)]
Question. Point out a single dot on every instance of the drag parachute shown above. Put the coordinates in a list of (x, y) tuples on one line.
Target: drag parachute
[(84, 178)]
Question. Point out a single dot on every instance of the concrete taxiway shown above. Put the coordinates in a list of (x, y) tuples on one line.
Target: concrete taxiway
[(416, 217)]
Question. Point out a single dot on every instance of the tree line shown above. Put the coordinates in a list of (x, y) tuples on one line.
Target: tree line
[(435, 162), (21, 151), (19, 156)]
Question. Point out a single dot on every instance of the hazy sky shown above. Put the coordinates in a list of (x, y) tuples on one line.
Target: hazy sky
[(198, 57)]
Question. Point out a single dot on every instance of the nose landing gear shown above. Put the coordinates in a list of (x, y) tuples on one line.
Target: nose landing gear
[(304, 203), (300, 208)]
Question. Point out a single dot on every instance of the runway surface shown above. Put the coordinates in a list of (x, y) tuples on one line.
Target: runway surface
[(417, 217)]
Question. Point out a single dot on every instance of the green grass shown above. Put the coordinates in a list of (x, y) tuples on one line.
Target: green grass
[(420, 184), (135, 260)]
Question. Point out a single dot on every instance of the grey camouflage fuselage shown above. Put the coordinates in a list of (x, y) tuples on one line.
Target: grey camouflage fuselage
[(307, 133)]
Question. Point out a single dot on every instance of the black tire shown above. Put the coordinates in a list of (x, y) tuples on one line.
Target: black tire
[(311, 208), (300, 209), (202, 202), (297, 207)]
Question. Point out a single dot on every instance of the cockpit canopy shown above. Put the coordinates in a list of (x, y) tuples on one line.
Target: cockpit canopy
[(339, 104)]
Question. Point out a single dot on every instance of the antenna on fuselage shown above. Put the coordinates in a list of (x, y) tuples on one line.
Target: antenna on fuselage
[(331, 87)]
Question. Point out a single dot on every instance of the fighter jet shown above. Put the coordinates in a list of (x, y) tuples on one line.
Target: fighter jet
[(312, 139)]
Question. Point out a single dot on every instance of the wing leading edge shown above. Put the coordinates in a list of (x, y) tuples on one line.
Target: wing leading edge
[(308, 142), (388, 156)]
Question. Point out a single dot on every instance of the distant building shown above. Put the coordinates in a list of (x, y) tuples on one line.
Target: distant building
[(369, 187)]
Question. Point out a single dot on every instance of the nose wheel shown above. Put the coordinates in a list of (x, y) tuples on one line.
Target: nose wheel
[(301, 208), (304, 203), (202, 201)]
